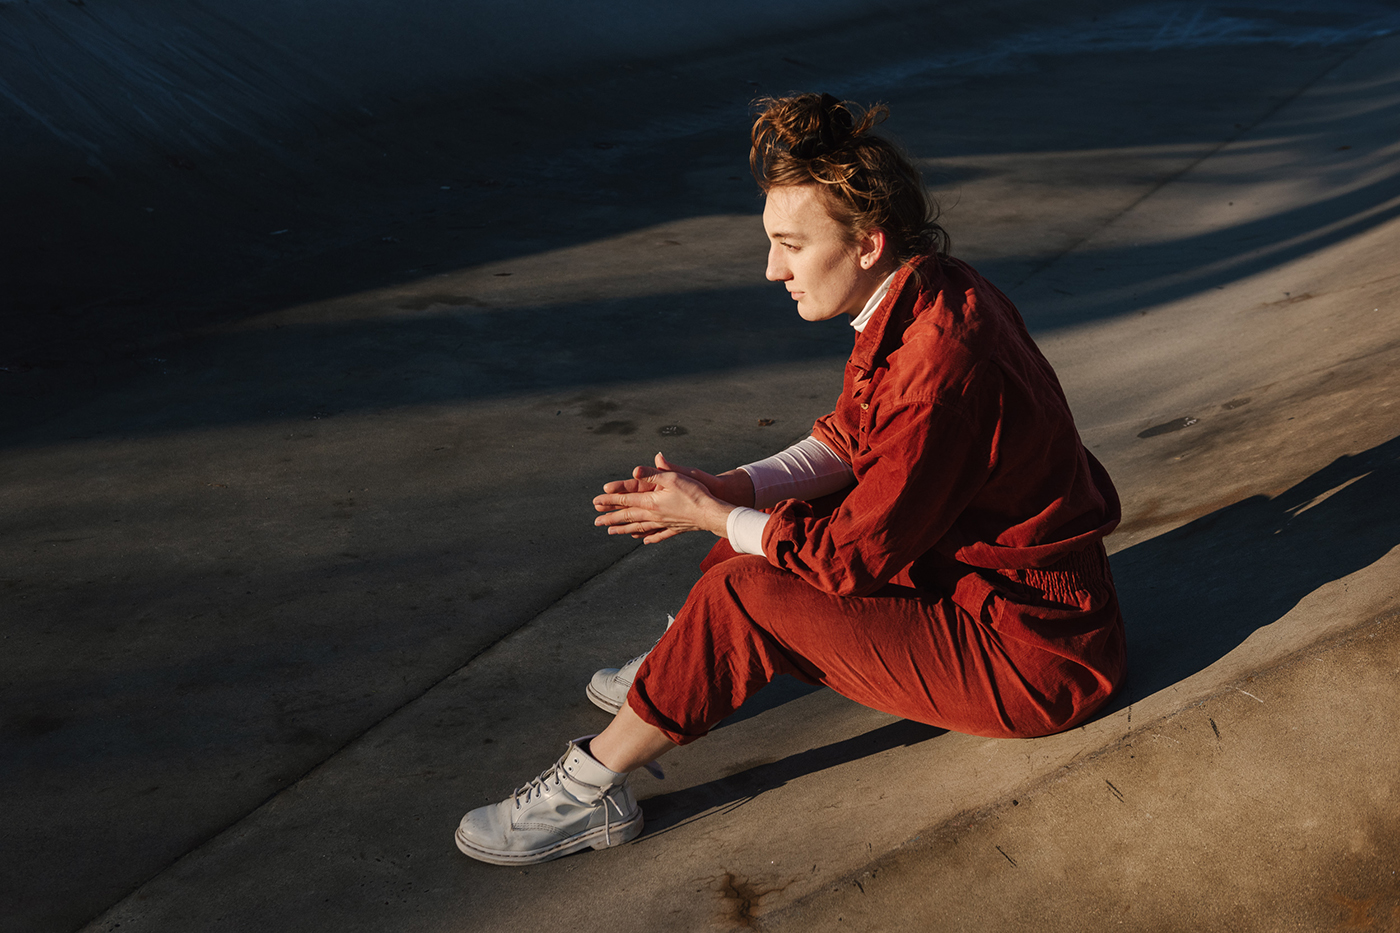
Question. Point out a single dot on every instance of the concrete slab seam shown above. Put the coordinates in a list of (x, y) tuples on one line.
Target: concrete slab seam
[(355, 739)]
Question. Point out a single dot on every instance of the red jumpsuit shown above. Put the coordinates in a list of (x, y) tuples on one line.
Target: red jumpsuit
[(961, 581)]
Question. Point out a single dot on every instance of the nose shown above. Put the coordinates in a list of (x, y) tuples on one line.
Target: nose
[(777, 270)]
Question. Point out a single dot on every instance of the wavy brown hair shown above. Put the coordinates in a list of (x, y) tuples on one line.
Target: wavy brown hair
[(815, 139)]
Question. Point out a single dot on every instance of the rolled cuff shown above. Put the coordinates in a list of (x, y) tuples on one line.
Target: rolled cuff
[(744, 529)]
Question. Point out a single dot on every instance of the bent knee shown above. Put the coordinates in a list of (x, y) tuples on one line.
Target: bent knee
[(745, 573)]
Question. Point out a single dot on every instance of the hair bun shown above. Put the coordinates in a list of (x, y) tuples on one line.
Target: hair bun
[(868, 183), (833, 128)]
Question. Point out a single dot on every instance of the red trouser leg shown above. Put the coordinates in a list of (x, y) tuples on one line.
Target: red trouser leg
[(897, 650)]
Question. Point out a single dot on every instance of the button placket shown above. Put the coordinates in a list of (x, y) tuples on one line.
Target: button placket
[(864, 394), (860, 387)]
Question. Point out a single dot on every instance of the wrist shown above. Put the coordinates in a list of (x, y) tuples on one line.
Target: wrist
[(717, 521)]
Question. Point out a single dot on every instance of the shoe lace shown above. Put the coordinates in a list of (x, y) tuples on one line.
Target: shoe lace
[(536, 787), (555, 773), (607, 817)]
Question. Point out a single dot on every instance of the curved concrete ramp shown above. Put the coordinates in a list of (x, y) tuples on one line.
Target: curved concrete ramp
[(294, 470), (113, 83), (212, 117)]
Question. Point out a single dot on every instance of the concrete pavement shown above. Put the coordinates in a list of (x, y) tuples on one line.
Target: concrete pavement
[(294, 580)]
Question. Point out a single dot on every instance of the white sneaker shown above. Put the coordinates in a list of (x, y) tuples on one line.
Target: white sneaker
[(576, 804), (608, 688)]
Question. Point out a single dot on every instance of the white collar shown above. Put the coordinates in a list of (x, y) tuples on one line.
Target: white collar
[(866, 313)]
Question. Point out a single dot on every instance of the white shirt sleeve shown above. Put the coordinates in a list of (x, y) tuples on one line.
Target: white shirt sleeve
[(806, 470), (744, 528)]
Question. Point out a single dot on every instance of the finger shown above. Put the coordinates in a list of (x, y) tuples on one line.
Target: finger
[(649, 479), (636, 529), (630, 485), (622, 518), (641, 530), (666, 466), (700, 476), (633, 526), (618, 499)]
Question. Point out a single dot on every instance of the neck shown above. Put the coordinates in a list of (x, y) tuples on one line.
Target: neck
[(872, 301)]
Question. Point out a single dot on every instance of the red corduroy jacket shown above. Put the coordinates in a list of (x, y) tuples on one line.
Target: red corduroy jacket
[(968, 468)]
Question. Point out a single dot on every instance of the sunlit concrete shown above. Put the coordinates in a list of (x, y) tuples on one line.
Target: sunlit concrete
[(299, 560)]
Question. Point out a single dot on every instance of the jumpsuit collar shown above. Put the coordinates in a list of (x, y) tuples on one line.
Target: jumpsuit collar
[(902, 301)]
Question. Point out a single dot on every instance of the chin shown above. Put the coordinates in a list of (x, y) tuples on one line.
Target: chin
[(817, 315)]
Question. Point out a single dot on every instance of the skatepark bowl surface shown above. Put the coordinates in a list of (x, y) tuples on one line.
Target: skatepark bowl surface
[(323, 323)]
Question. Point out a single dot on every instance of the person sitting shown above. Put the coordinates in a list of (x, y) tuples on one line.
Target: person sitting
[(933, 550)]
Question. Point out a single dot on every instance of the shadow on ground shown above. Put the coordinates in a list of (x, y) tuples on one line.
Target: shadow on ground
[(1191, 596), (1195, 593), (668, 811), (355, 225)]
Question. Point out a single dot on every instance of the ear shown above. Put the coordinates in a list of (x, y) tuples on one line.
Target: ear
[(871, 248)]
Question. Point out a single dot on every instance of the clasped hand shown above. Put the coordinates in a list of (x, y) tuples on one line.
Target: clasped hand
[(666, 500)]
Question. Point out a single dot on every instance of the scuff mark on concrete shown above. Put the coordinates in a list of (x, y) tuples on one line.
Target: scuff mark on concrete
[(742, 899)]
